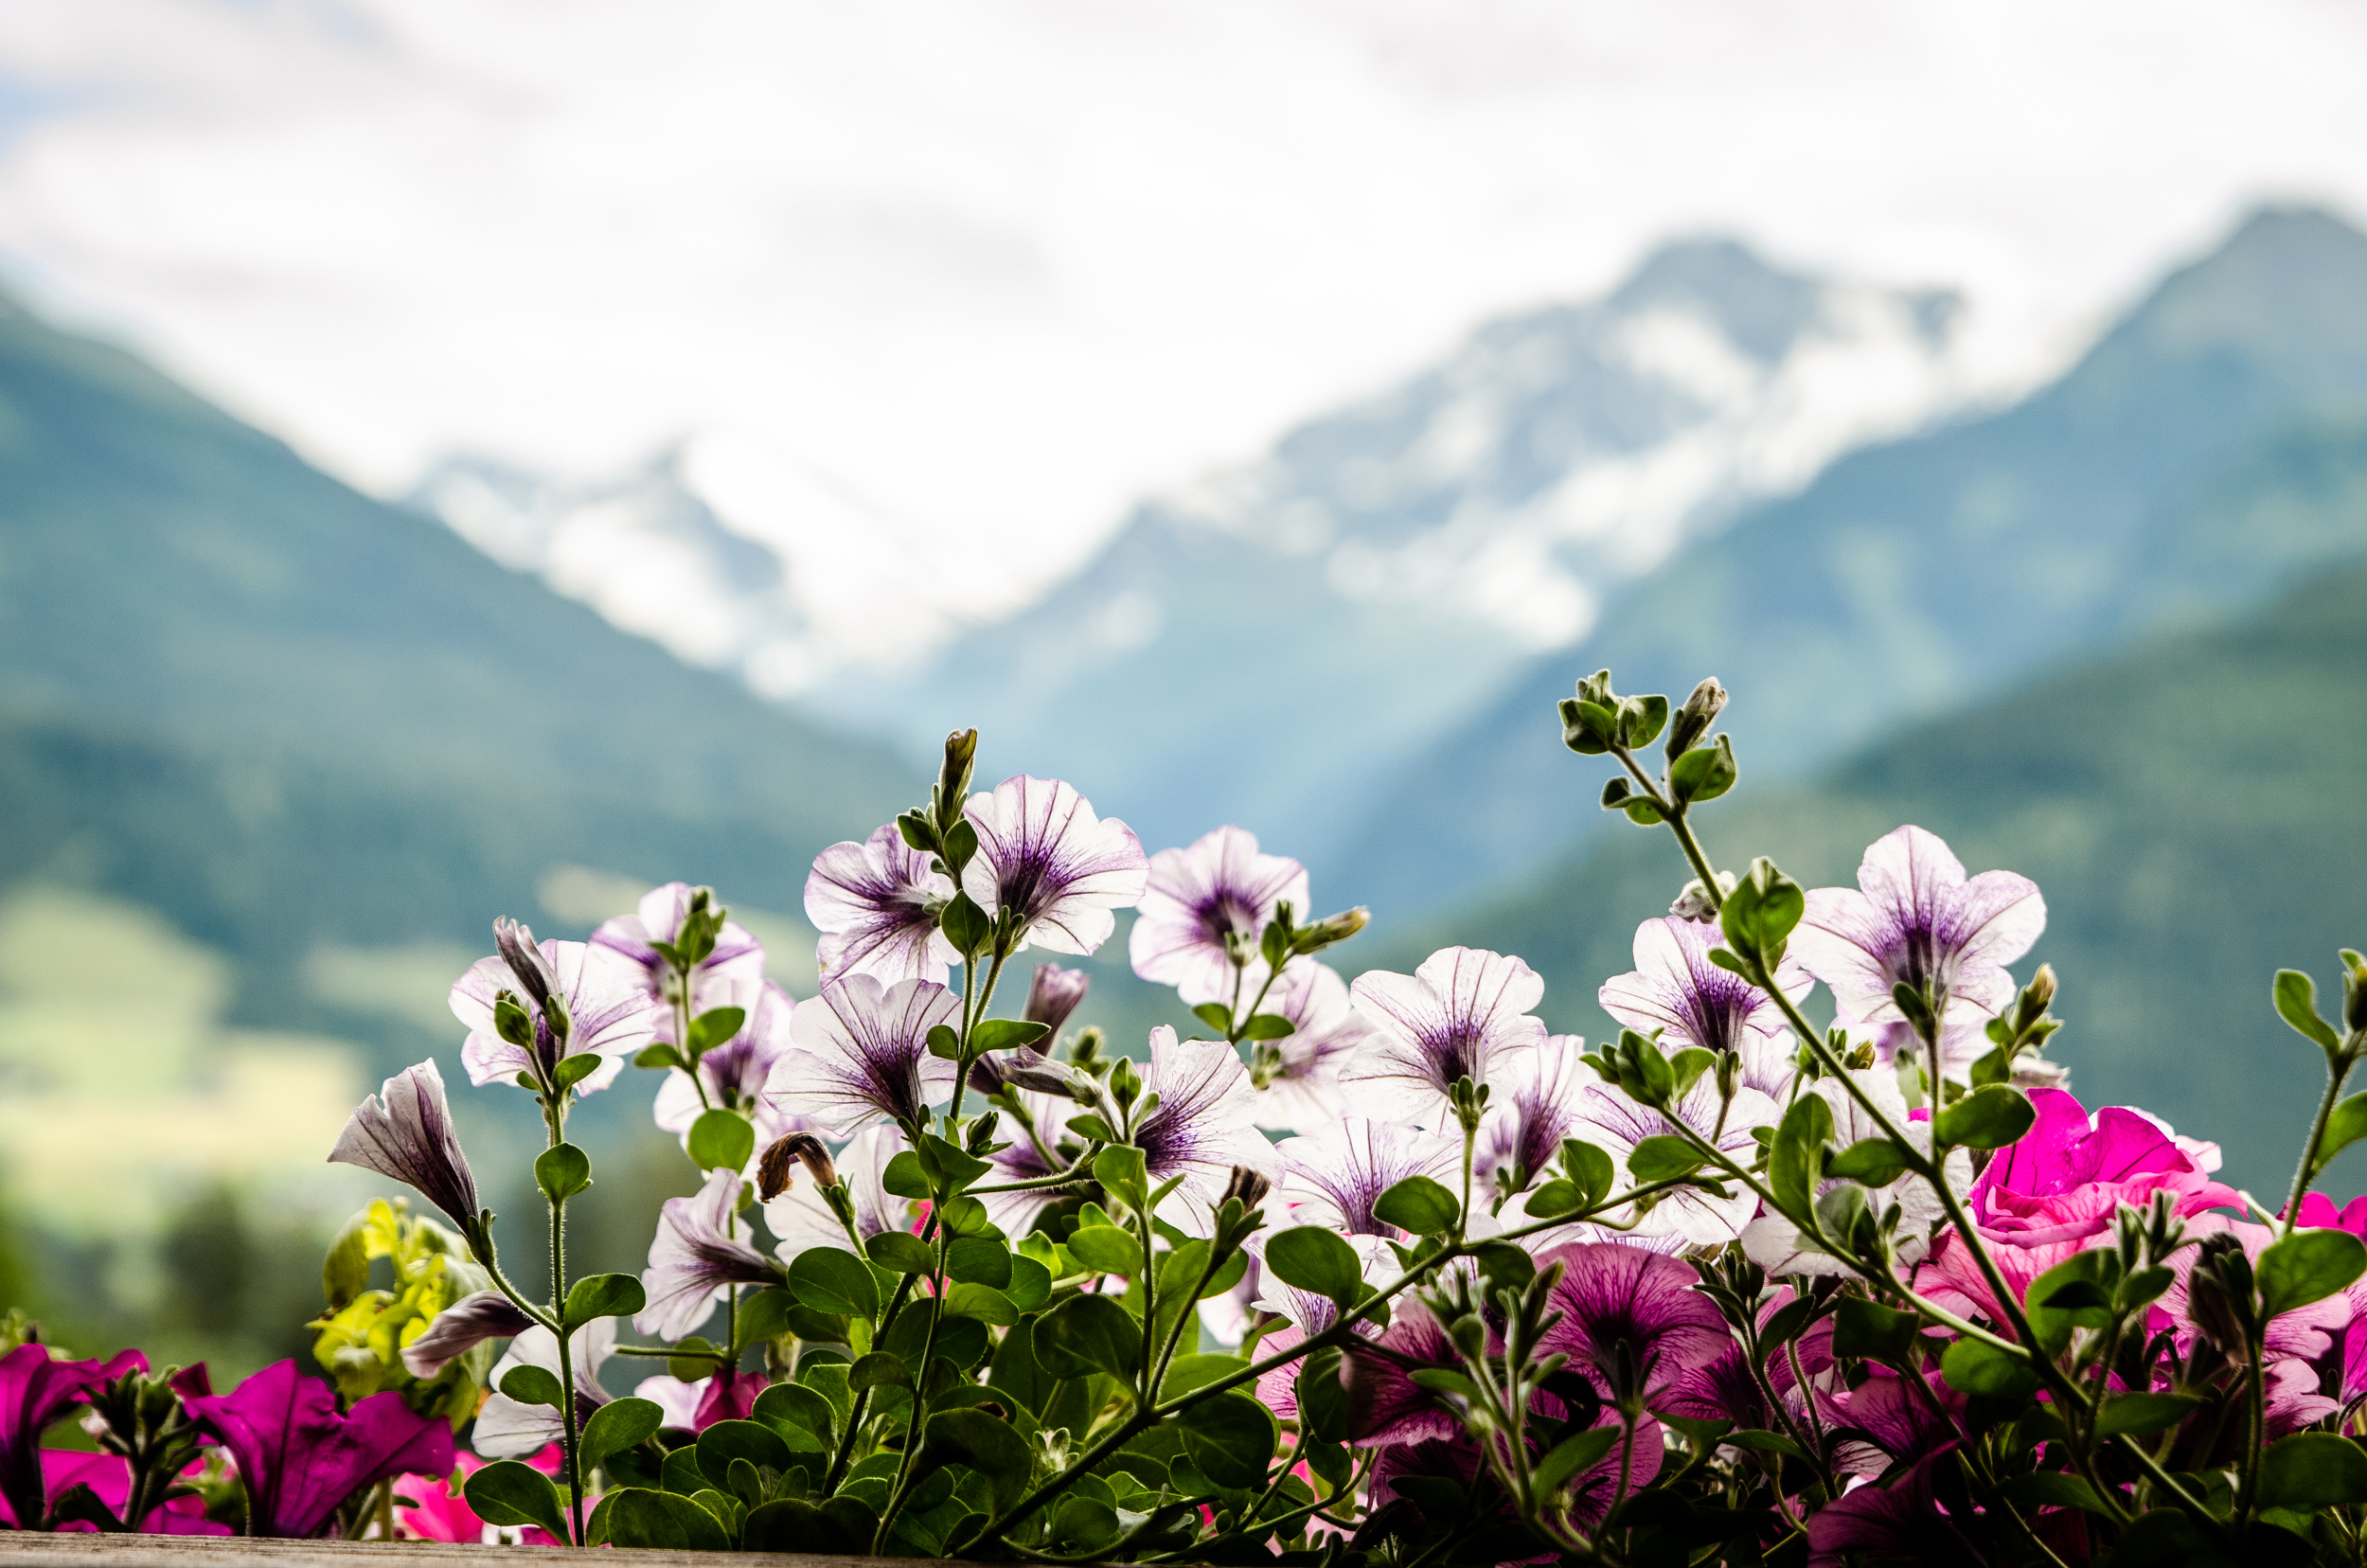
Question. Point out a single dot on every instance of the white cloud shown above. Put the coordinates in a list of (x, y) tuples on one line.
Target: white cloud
[(983, 271)]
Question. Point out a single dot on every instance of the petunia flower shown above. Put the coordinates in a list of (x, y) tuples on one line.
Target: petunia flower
[(859, 1050), (1298, 1085), (1197, 898), (1773, 1241), (36, 1389), (1533, 1109), (1904, 1521), (1676, 989), (1452, 1018), (1915, 920), (507, 1428), (405, 1131), (737, 958), (1333, 1177), (1202, 1127), (1030, 1156), (1629, 1314), (801, 1220), (612, 1014), (1960, 1046), (735, 1073), (875, 904), (697, 1257), (1052, 994), (1606, 1116), (1050, 867), (431, 1507), (300, 1458), (698, 1405), (460, 1328), (108, 1477)]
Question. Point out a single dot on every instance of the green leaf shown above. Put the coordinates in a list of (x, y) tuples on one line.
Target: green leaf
[(1971, 1366), (1006, 1034), (2345, 1127), (2307, 1266), (794, 1524), (1106, 1249), (533, 1385), (603, 1295), (2141, 1415), (1705, 773), (1420, 1206), (722, 1140), (790, 1409), (714, 1026), (964, 923), (1315, 1259), (944, 1042), (2313, 1470), (1030, 1283), (2076, 1294), (904, 1177), (563, 1171), (1087, 1334), (725, 1441), (1230, 1439), (573, 1070), (1662, 1158), (1268, 1027), (1870, 1162), (980, 1260), (635, 1516), (1216, 1015), (764, 1315), (1989, 1117), (1119, 1169), (509, 1491), (1590, 1169), (1573, 1457), (660, 1055), (982, 1302), (1769, 1442), (988, 1446), (1871, 1330), (1641, 720), (831, 1279), (346, 1270), (2297, 1002), (2053, 1489), (879, 1370), (950, 1167), (1759, 914), (1793, 1163), (901, 1252)]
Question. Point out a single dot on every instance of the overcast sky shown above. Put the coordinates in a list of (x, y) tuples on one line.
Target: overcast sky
[(996, 267)]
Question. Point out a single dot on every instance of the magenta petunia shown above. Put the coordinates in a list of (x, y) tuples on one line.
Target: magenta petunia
[(1629, 1312), (1046, 864), (1220, 888), (737, 958), (1903, 1522), (36, 1389), (1455, 1017), (1914, 918), (876, 904), (611, 1013), (300, 1458), (108, 1477), (860, 1052)]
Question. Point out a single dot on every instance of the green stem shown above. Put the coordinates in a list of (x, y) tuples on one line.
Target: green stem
[(2338, 1070)]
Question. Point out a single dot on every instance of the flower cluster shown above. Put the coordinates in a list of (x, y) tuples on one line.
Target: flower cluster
[(1380, 1272)]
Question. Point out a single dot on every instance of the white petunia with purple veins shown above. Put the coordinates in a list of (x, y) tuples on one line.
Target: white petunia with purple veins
[(409, 1136), (734, 1074), (508, 1428), (1196, 897), (696, 1256), (1034, 1151), (1050, 867), (1333, 1177), (612, 1014), (1202, 1127), (1297, 1077), (1532, 1107), (738, 956), (875, 904), (1607, 1117), (859, 1051), (1915, 919), (801, 1220), (1774, 1242), (1674, 987), (1456, 1015)]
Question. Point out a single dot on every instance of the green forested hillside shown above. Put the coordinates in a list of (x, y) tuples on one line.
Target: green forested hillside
[(2192, 809)]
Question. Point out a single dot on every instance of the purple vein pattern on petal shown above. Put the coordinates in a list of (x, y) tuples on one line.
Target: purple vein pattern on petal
[(863, 1053), (1334, 1176), (1197, 895), (870, 902), (1202, 1127), (1915, 919), (738, 955), (1616, 1298), (696, 1257), (1450, 1019), (1044, 856), (1676, 987)]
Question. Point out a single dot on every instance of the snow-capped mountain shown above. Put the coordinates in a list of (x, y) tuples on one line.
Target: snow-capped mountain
[(1261, 646)]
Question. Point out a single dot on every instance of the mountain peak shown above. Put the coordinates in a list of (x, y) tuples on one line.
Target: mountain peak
[(2289, 283)]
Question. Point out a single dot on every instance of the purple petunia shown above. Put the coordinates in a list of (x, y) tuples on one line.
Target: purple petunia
[(460, 1328), (1915, 920), (1533, 1109), (611, 1012), (1452, 1018), (1196, 899), (1333, 1177), (1052, 994), (738, 956), (300, 1458), (1202, 1127), (1771, 1240), (860, 1051), (1050, 867), (37, 1388), (876, 903), (698, 1256), (1674, 987), (1628, 1313), (409, 1136), (1298, 1086)]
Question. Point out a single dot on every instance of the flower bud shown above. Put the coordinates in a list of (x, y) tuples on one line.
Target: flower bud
[(1054, 994), (2355, 998), (510, 1019), (1694, 718), (1027, 1069), (1330, 931), (555, 1014), (518, 950), (1086, 1048), (803, 1148), (1694, 903), (961, 753), (1247, 1184)]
